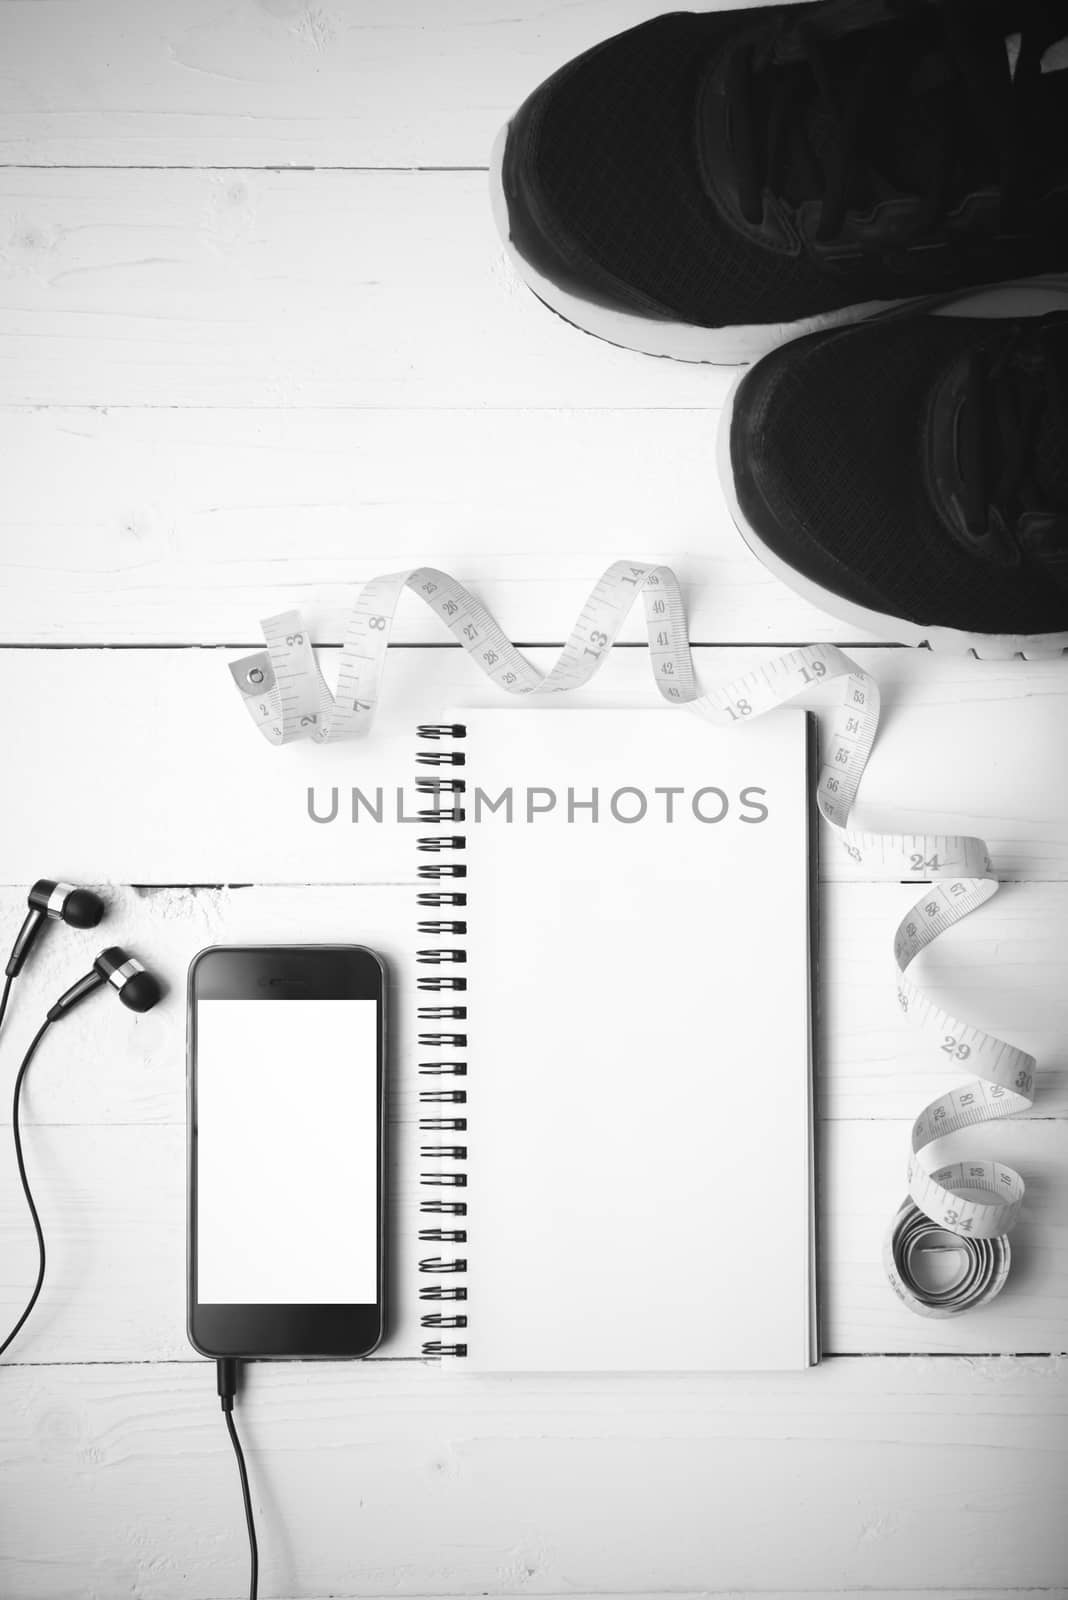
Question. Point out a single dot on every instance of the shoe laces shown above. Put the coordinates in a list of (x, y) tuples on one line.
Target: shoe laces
[(1012, 444), (821, 97)]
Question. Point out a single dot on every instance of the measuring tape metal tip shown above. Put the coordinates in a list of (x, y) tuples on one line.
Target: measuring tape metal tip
[(254, 675)]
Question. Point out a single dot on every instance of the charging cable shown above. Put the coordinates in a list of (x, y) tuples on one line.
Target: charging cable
[(226, 1382)]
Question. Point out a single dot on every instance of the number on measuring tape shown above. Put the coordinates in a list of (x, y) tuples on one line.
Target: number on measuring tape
[(971, 1205)]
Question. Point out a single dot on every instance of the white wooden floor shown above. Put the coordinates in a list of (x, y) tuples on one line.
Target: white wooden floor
[(260, 343)]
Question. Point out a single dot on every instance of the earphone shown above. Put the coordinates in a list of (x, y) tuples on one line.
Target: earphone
[(48, 901), (62, 902), (113, 968), (137, 989)]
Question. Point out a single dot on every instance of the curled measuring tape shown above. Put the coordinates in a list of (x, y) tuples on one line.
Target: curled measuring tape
[(966, 1208)]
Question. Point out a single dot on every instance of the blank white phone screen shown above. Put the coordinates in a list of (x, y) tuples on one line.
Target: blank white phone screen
[(287, 1152)]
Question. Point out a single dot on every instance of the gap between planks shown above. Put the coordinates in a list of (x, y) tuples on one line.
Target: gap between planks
[(445, 644), (433, 1361), (208, 166)]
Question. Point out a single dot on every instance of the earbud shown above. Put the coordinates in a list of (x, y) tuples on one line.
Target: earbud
[(62, 902), (136, 988)]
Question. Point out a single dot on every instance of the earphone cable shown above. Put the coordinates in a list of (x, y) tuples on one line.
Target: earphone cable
[(226, 1374), (4, 994), (23, 1069)]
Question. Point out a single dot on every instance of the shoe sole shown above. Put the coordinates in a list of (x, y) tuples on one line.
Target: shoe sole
[(684, 341), (952, 641)]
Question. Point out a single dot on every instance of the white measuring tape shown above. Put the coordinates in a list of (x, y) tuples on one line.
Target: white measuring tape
[(967, 1207)]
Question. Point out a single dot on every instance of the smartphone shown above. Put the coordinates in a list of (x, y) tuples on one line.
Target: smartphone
[(286, 1080)]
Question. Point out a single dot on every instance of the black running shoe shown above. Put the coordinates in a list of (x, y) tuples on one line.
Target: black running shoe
[(910, 475), (706, 186)]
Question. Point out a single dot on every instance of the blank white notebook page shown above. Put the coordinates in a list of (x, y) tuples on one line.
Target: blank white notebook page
[(639, 1064)]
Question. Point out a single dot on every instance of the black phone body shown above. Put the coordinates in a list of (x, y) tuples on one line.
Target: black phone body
[(286, 1148)]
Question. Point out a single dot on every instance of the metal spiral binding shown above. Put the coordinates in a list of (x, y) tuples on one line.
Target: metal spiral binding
[(442, 869), (441, 758), (443, 1163), (438, 787)]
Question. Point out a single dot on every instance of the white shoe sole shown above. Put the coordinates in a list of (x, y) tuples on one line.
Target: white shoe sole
[(684, 341), (953, 641)]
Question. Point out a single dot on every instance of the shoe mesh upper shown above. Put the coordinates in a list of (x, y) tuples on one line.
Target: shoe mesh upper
[(831, 447), (616, 160), (611, 144)]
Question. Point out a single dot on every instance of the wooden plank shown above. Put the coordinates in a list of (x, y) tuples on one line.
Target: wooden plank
[(140, 766), (116, 1275), (862, 1183), (290, 290), (157, 526), (111, 1200), (1002, 968), (371, 1480), (280, 83)]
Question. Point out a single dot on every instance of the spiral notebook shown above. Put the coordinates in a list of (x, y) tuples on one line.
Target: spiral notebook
[(615, 1026)]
